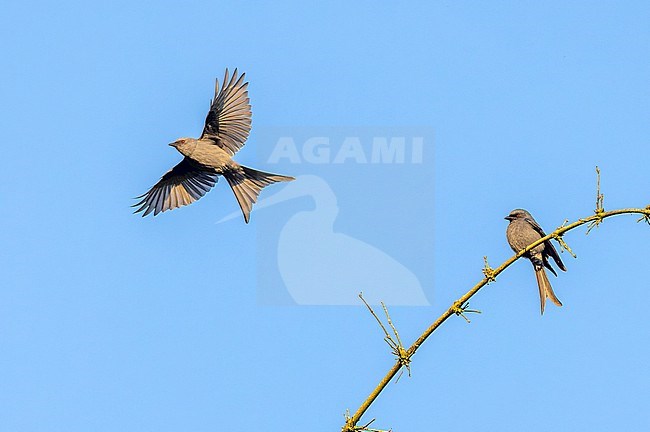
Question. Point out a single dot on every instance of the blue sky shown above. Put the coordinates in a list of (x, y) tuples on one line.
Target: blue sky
[(112, 322)]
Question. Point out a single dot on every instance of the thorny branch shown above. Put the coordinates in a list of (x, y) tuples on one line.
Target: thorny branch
[(459, 307)]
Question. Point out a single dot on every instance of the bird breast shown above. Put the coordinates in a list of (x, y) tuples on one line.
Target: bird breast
[(520, 234), (211, 155)]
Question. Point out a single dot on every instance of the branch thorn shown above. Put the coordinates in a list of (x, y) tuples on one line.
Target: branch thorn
[(488, 271), (365, 428), (646, 216), (461, 309), (560, 239)]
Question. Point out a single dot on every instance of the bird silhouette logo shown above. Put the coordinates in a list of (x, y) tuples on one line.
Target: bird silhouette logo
[(320, 266)]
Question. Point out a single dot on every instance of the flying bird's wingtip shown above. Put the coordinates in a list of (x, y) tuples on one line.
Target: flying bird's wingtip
[(139, 204)]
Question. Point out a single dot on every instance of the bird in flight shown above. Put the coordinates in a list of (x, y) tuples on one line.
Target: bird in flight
[(522, 231), (227, 126)]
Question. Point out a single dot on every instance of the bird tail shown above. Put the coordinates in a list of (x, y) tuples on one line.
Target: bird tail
[(247, 183), (545, 289)]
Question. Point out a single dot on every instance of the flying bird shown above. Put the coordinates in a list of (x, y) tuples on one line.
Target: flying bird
[(522, 231), (227, 126)]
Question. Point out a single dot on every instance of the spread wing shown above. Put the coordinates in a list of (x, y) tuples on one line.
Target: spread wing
[(180, 186), (549, 249), (229, 121)]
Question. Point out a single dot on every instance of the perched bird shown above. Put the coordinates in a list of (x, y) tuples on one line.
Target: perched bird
[(522, 231), (226, 129)]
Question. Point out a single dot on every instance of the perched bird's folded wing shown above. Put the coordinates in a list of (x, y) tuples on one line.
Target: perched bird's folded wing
[(229, 121), (180, 186), (549, 249)]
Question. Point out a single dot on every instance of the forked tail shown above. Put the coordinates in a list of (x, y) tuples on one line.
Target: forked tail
[(247, 183), (545, 289)]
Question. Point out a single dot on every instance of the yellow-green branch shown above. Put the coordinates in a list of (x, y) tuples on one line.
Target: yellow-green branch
[(490, 275)]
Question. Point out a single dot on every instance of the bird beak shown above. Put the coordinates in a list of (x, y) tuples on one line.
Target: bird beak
[(172, 144), (508, 218)]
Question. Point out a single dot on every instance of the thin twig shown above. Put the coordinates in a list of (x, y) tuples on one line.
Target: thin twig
[(599, 205), (599, 197), (399, 342), (563, 245), (645, 218), (397, 348), (374, 314)]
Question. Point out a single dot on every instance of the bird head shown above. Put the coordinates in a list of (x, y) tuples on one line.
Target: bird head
[(517, 214), (184, 145)]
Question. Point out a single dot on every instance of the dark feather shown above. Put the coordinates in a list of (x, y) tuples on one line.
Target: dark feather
[(549, 249), (180, 186), (228, 122)]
